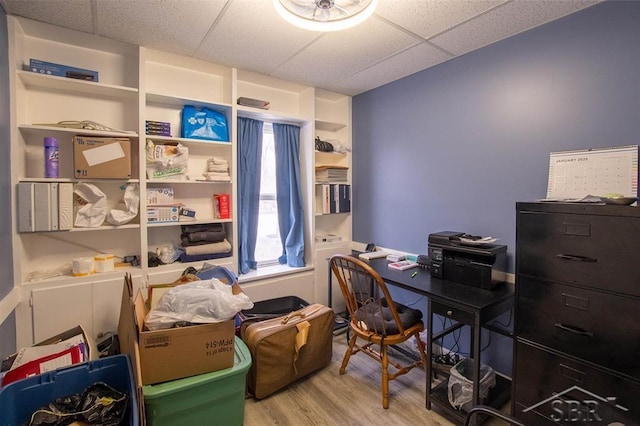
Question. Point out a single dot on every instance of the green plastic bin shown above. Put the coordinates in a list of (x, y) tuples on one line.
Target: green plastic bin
[(210, 398)]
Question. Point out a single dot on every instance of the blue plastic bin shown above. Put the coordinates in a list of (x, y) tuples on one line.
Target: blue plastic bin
[(20, 399)]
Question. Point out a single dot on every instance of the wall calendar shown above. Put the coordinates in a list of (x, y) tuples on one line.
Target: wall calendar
[(596, 172)]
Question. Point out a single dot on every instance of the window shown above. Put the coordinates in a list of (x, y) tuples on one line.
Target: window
[(268, 245), (281, 144)]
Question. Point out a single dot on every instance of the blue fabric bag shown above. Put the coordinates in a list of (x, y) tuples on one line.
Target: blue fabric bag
[(204, 123)]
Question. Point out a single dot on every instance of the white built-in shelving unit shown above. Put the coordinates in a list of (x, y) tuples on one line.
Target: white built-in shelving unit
[(138, 84)]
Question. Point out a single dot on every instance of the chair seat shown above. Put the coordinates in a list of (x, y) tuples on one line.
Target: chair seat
[(379, 317)]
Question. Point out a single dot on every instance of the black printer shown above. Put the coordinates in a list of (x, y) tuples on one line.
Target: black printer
[(455, 256)]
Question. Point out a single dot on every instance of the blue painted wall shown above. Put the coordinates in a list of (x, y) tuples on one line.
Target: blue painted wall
[(456, 146)]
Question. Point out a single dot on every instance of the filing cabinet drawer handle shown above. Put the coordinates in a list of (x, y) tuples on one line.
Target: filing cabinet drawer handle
[(574, 330), (576, 258)]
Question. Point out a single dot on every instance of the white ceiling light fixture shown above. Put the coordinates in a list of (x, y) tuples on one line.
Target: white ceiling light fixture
[(325, 15)]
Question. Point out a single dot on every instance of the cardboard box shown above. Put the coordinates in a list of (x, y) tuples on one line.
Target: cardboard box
[(102, 158), (163, 355), (50, 68), (222, 209)]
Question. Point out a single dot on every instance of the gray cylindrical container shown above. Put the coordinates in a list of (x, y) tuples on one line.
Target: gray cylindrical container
[(51, 158)]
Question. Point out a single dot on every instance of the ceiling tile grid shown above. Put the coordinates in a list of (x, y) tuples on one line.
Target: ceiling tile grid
[(337, 55), (251, 35), (400, 65), (176, 27), (73, 14), (429, 18), (401, 38), (505, 21)]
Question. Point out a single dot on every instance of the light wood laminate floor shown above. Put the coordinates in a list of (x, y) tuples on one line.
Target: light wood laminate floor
[(327, 398)]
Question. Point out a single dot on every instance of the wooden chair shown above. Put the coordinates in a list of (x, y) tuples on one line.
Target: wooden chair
[(375, 319)]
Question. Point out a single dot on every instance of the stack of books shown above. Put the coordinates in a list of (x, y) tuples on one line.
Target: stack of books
[(335, 198), (331, 173), (158, 128)]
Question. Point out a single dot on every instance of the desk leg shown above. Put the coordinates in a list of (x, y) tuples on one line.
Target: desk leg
[(429, 350), (477, 329), (330, 283)]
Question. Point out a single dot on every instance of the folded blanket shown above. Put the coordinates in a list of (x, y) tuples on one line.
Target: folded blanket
[(184, 258), (213, 248), (220, 168), (188, 239)]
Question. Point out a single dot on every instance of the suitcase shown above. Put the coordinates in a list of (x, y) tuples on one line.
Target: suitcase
[(287, 348)]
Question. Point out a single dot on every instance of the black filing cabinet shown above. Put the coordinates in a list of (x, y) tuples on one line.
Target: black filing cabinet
[(577, 329)]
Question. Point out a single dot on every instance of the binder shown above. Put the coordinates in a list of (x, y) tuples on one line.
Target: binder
[(333, 198), (26, 220), (65, 206), (42, 206), (53, 188)]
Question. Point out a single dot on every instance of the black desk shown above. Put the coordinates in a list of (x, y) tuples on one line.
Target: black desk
[(464, 304)]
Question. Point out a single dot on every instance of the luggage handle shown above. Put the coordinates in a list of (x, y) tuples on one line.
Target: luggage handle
[(299, 313), (292, 315)]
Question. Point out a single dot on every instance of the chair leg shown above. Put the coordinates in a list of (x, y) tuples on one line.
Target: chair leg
[(422, 350), (385, 377), (347, 354)]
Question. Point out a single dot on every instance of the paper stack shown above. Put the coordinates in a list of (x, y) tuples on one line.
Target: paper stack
[(331, 173)]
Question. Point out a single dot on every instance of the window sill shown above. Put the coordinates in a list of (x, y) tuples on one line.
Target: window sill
[(270, 272)]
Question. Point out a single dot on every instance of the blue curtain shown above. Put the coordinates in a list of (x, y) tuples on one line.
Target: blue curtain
[(249, 166), (288, 193)]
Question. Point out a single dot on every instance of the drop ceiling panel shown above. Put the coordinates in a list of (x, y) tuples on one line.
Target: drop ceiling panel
[(172, 26), (337, 55), (252, 36), (401, 65), (428, 18), (73, 14), (507, 20)]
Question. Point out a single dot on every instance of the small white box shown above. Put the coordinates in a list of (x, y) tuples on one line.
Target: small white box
[(163, 214), (159, 196), (395, 257)]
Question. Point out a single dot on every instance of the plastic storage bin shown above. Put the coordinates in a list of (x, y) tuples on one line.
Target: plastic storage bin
[(20, 399), (210, 398), (460, 386)]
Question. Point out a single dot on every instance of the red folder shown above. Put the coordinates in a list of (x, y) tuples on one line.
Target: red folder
[(65, 358)]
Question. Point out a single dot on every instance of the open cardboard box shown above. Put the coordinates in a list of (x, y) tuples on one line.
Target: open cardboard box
[(163, 355)]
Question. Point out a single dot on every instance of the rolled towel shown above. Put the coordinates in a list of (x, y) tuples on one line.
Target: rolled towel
[(213, 248)]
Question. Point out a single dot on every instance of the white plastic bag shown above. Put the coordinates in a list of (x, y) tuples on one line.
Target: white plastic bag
[(166, 161), (460, 386), (131, 201), (94, 210), (206, 301)]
